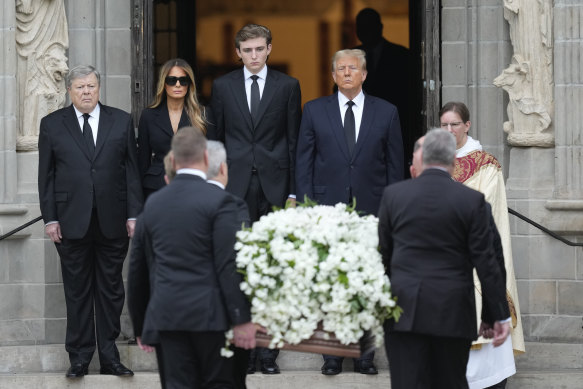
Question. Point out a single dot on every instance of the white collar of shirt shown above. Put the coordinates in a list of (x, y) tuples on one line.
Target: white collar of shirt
[(260, 81), (193, 172), (217, 184), (93, 120), (357, 109)]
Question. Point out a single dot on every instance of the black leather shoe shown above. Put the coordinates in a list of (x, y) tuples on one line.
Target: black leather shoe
[(366, 366), (251, 367), (77, 370), (331, 367), (116, 369), (268, 366)]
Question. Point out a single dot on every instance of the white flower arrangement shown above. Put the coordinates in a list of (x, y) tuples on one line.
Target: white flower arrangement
[(313, 264)]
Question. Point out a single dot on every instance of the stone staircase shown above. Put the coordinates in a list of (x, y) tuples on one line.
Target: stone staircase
[(545, 366)]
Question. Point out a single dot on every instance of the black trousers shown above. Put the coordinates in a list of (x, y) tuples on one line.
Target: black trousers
[(258, 206), (193, 360), (427, 362), (91, 269), (363, 357)]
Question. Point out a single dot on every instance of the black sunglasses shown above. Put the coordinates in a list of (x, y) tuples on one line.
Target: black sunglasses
[(171, 80)]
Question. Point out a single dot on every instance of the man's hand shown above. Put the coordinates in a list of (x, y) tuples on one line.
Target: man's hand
[(142, 346), (53, 230), (486, 330), (244, 335), (131, 226), (501, 332), (290, 202)]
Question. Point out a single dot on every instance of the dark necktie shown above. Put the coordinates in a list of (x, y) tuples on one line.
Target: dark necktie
[(349, 126), (88, 134), (254, 97)]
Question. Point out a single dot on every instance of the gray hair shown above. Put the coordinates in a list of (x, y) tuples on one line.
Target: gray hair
[(357, 53), (217, 156), (81, 71), (439, 148)]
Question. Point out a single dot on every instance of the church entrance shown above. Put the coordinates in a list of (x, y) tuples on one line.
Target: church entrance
[(306, 33)]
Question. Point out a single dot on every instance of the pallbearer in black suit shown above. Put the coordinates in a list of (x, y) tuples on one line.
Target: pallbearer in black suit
[(175, 106), (433, 232), (196, 297), (90, 194), (256, 113)]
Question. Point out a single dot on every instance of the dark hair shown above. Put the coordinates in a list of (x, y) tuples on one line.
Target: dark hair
[(252, 31), (457, 107)]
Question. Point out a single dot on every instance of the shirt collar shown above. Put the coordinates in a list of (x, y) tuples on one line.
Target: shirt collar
[(358, 100), (262, 73), (194, 172), (94, 113), (216, 183)]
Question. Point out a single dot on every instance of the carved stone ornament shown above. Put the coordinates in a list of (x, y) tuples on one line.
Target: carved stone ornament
[(42, 41), (529, 78)]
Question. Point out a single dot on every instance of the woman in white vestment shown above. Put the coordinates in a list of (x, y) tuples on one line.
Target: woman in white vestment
[(488, 367)]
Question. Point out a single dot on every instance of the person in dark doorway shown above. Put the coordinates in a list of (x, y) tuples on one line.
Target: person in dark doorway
[(390, 71), (256, 114)]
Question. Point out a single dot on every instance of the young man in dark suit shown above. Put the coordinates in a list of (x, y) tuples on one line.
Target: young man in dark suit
[(349, 148), (433, 232), (89, 190), (256, 113)]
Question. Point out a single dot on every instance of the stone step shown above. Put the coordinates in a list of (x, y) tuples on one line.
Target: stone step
[(558, 379), (544, 366)]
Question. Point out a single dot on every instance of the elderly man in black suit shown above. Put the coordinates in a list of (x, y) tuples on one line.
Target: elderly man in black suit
[(89, 191), (255, 112), (433, 232), (196, 297)]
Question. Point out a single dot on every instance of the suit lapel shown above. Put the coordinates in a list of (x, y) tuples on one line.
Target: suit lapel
[(105, 124), (337, 128), (238, 89), (163, 119), (365, 125), (72, 125), (271, 86)]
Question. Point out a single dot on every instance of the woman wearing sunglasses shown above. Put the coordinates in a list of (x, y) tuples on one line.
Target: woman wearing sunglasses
[(488, 367), (175, 106)]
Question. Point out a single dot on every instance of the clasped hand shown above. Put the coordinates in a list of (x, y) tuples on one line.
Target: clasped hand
[(498, 333)]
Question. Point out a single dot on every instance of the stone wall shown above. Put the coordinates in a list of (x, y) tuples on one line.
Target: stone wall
[(544, 183), (32, 307)]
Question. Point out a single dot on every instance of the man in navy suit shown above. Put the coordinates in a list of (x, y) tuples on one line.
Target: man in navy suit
[(90, 194), (255, 112), (349, 148)]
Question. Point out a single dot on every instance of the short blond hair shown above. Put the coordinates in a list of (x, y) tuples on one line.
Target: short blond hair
[(355, 53)]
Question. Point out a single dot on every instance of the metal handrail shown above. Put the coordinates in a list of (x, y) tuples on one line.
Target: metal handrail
[(510, 210)]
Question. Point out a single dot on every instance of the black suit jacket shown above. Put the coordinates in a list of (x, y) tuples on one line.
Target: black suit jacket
[(142, 270), (191, 225), (68, 175), (269, 144), (154, 137), (328, 173), (432, 232)]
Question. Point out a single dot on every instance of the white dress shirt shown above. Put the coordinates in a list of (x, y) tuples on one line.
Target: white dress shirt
[(248, 81), (93, 120), (357, 109)]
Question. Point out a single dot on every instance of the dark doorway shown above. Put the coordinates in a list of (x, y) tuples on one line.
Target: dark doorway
[(165, 29)]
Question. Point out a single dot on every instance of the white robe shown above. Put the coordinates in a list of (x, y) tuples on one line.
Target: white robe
[(481, 171)]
